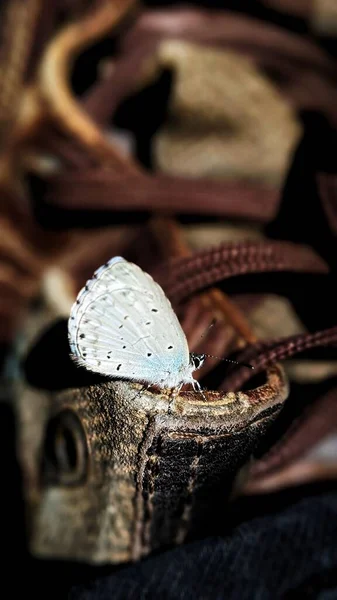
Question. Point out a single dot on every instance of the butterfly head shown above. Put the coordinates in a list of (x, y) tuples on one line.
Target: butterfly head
[(197, 360)]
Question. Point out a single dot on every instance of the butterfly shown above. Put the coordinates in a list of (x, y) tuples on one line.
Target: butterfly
[(123, 326)]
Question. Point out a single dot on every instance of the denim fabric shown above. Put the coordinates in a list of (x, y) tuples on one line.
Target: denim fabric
[(290, 554)]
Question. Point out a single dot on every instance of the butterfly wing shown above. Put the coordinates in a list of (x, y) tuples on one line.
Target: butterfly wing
[(122, 325)]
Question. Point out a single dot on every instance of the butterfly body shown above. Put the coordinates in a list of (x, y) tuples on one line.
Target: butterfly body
[(122, 325)]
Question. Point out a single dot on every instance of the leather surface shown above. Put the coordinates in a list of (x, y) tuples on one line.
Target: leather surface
[(123, 473), (188, 479)]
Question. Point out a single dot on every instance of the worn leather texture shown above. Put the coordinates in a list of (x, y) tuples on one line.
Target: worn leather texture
[(123, 474)]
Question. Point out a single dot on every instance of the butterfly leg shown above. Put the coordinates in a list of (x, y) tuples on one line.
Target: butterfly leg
[(197, 388), (144, 388), (173, 394)]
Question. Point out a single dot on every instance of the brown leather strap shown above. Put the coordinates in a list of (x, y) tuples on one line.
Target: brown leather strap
[(266, 353), (101, 189), (207, 267)]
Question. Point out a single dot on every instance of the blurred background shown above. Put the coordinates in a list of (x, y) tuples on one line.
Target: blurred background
[(155, 130)]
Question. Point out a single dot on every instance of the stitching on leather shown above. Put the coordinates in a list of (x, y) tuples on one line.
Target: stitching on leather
[(187, 506), (152, 472), (145, 446)]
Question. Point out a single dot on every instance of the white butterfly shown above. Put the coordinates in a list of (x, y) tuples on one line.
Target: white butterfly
[(122, 325)]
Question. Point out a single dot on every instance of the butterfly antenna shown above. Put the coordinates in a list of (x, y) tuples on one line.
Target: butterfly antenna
[(234, 362)]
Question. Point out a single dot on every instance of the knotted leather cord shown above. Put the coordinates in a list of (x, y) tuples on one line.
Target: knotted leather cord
[(257, 262), (61, 49), (319, 419), (100, 189), (213, 306), (210, 266), (243, 259), (263, 354), (55, 88), (106, 191)]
